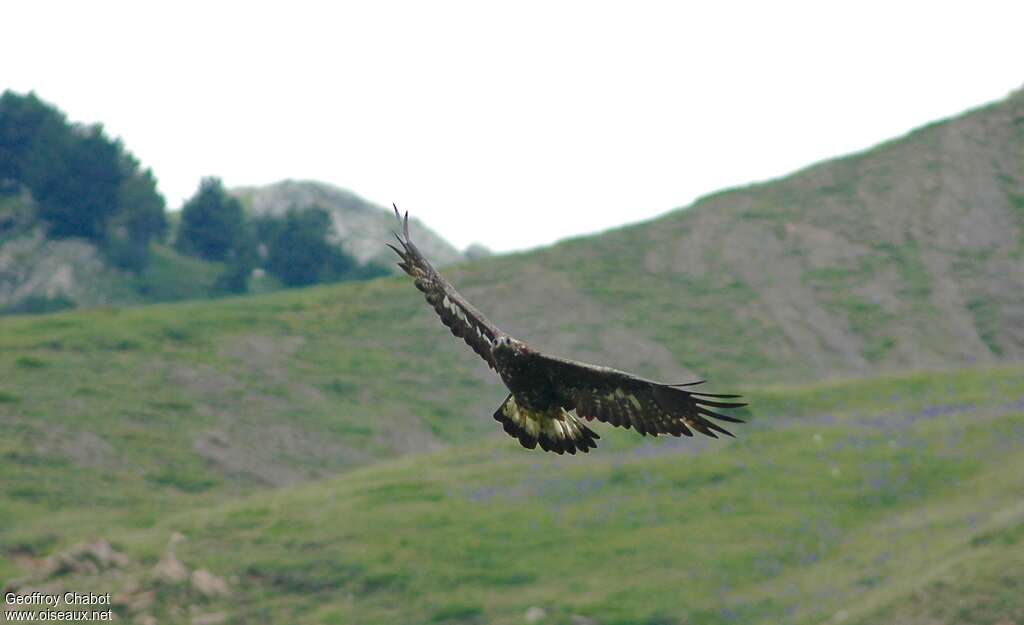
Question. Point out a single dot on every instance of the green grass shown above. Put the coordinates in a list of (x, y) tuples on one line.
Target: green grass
[(151, 409), (850, 497), (1017, 206), (169, 276), (288, 435), (986, 319), (36, 305)]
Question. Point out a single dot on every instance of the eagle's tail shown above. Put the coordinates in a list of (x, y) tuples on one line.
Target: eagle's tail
[(556, 430)]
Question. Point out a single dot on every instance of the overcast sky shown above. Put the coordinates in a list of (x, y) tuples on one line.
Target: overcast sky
[(511, 124)]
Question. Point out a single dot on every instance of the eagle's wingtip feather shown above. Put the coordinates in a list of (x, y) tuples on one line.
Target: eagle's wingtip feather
[(714, 395)]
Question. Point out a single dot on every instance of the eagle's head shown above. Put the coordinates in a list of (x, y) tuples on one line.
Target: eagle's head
[(505, 348)]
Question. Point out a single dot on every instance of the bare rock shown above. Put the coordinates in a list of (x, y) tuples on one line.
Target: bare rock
[(89, 557), (106, 557), (535, 615), (69, 270), (170, 570), (208, 584), (357, 226), (127, 596)]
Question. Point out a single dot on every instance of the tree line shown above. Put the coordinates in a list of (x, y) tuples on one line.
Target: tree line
[(84, 184), (294, 248), (87, 185)]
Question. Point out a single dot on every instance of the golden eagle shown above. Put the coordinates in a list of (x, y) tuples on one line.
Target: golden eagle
[(549, 395)]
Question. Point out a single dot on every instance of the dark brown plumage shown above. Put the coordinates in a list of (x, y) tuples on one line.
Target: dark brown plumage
[(550, 397)]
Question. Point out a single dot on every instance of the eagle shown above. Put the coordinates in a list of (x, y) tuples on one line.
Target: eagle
[(549, 397)]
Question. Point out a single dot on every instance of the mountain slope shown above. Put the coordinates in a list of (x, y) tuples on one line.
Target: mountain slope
[(359, 226), (246, 422), (839, 502), (782, 281), (908, 255)]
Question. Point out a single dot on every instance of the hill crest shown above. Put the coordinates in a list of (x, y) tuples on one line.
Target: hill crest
[(359, 226)]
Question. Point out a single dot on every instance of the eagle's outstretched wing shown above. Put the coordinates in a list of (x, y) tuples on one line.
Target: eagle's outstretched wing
[(459, 315), (624, 400)]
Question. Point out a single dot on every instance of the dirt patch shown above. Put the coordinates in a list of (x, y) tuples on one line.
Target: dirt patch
[(82, 447), (276, 454), (267, 354), (545, 309), (823, 338), (202, 381), (405, 438)]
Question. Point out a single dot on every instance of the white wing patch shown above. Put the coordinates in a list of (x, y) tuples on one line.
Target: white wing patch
[(556, 429), (461, 315), (455, 308)]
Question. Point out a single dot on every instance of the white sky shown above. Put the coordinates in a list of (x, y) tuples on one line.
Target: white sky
[(512, 124)]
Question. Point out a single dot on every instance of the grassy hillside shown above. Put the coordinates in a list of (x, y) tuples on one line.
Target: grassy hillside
[(330, 451), (855, 502), (906, 255), (246, 391)]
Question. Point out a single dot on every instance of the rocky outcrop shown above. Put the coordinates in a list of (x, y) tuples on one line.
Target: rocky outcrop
[(88, 557), (209, 585), (170, 570), (70, 271)]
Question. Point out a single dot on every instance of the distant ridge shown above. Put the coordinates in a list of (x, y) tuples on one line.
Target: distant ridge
[(361, 227), (907, 255)]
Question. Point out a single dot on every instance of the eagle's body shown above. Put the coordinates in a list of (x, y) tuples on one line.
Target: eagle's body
[(549, 397)]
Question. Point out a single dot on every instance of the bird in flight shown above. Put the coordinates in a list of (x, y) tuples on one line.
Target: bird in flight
[(550, 397)]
